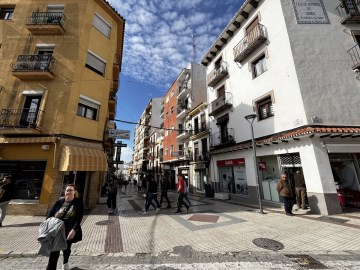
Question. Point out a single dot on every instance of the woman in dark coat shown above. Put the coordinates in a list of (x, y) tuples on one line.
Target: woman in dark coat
[(71, 210)]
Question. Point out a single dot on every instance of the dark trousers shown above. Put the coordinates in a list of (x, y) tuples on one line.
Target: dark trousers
[(111, 200), (149, 200), (164, 195), (181, 201), (54, 257), (288, 204)]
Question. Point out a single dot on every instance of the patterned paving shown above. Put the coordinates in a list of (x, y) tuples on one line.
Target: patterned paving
[(204, 218)]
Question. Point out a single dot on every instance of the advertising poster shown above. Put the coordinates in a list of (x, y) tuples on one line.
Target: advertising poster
[(240, 180), (225, 179)]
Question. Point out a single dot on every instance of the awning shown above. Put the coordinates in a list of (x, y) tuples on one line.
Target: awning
[(82, 159), (28, 140)]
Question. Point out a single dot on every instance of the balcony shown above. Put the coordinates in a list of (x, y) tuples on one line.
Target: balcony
[(183, 109), (250, 42), (355, 56), (349, 11), (184, 89), (217, 74), (223, 138), (46, 23), (184, 155), (34, 67), (201, 157), (220, 104), (200, 131), (112, 104), (183, 134), (20, 118)]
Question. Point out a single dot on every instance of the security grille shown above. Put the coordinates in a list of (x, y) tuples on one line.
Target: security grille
[(290, 159), (340, 156)]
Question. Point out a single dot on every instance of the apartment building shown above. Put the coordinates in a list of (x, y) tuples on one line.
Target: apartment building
[(60, 66), (294, 66), (143, 158), (186, 93)]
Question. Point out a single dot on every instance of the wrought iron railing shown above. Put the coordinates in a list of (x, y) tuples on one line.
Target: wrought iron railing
[(204, 126), (217, 74), (46, 18), (39, 62), (222, 137), (20, 117), (355, 56), (349, 11), (250, 42), (201, 157), (222, 102)]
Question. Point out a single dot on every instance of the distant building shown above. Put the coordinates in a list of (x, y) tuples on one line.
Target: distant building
[(60, 66)]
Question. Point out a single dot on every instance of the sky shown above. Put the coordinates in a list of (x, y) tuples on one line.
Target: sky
[(158, 44)]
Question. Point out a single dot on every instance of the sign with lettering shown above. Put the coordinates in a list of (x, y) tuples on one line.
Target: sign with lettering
[(230, 162), (310, 12), (119, 134)]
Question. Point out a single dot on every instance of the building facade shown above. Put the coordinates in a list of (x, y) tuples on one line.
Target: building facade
[(60, 66), (292, 64)]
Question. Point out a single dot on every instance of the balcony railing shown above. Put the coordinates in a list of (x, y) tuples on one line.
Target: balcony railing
[(46, 23), (217, 74), (250, 42), (32, 67), (222, 138), (349, 11), (220, 104), (355, 56), (201, 157), (204, 126), (22, 118)]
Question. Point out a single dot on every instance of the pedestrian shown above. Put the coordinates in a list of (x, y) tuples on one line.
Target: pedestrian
[(125, 182), (283, 186), (181, 190), (112, 193), (186, 193), (70, 210), (165, 186), (151, 194), (139, 184), (6, 194), (300, 189)]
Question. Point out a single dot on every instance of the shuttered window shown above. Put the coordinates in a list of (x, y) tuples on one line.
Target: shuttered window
[(100, 24), (88, 109), (265, 108), (95, 63)]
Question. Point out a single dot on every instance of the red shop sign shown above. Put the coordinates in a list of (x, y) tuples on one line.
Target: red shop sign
[(230, 162), (262, 166)]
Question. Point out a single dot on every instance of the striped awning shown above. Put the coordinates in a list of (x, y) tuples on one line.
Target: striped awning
[(82, 159), (28, 140)]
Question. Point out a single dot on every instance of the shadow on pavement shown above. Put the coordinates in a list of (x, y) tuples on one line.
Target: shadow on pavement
[(31, 224)]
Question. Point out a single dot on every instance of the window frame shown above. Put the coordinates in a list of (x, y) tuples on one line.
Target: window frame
[(105, 23), (5, 14), (89, 105), (260, 59), (269, 107), (103, 61)]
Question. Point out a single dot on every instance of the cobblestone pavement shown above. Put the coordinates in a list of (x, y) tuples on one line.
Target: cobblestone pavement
[(213, 235)]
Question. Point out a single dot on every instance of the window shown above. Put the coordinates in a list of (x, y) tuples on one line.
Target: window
[(172, 109), (259, 66), (171, 149), (265, 108), (166, 151), (95, 63), (221, 91), (167, 115), (218, 63), (88, 108), (102, 25), (6, 13)]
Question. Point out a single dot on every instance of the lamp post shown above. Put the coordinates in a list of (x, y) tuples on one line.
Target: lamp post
[(250, 118)]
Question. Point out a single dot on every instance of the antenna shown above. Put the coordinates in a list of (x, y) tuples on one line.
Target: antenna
[(193, 41)]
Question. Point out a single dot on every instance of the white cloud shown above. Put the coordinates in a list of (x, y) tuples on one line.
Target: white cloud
[(126, 154)]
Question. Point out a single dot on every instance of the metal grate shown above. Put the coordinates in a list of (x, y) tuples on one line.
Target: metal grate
[(340, 156), (204, 218), (306, 261), (105, 222), (290, 159), (267, 243)]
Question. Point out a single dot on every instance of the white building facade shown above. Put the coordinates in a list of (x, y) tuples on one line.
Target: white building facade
[(290, 63)]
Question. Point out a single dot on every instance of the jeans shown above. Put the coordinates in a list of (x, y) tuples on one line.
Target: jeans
[(181, 200), (164, 195), (149, 200), (111, 201), (288, 204), (186, 198)]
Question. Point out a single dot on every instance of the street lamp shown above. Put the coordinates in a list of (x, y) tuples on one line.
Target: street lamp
[(250, 118)]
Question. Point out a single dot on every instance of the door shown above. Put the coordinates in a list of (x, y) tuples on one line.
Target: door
[(30, 110), (43, 59), (350, 7)]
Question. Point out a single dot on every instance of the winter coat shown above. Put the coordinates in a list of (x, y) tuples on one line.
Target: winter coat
[(284, 188), (52, 236)]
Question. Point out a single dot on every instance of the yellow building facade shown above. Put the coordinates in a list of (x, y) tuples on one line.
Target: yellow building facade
[(60, 64)]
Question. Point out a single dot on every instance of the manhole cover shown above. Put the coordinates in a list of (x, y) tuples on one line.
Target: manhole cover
[(306, 261), (104, 222), (267, 243)]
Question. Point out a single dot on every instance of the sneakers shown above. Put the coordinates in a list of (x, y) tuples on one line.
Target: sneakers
[(157, 209), (66, 266), (289, 214), (111, 211), (145, 212)]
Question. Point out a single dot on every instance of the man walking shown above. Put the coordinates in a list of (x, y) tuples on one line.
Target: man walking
[(283, 186), (112, 193), (6, 194), (165, 185), (151, 194), (181, 193)]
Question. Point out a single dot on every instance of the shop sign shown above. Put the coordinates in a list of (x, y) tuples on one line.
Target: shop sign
[(119, 134), (230, 162), (310, 12), (262, 166)]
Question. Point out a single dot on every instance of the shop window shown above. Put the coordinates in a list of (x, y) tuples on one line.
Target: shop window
[(259, 66), (95, 63), (88, 108), (6, 13)]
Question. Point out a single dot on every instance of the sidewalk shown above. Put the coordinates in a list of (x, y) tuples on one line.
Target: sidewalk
[(211, 226)]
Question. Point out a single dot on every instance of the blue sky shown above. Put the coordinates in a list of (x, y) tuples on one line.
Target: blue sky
[(158, 45)]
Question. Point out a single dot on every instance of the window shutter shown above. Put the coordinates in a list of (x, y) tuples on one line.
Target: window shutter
[(101, 25), (95, 62)]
